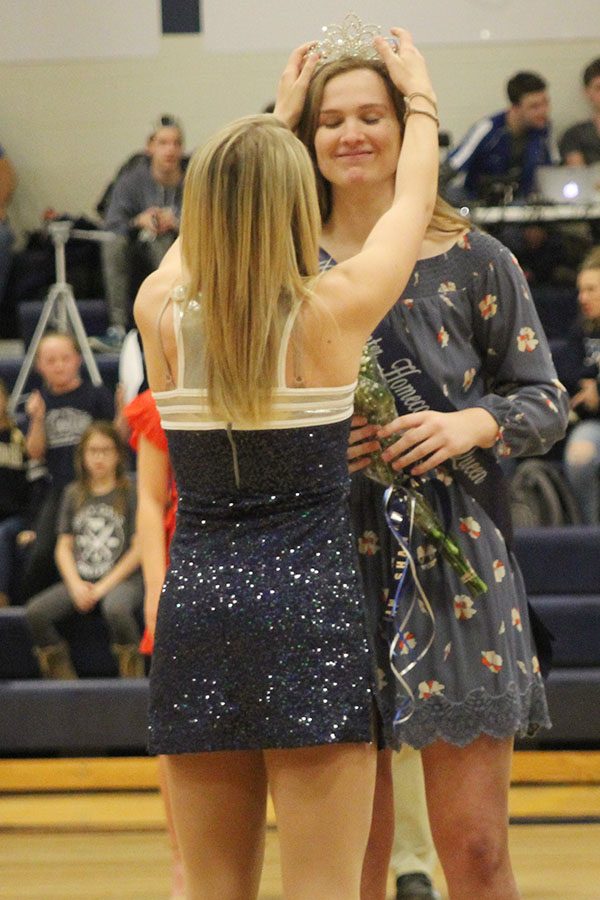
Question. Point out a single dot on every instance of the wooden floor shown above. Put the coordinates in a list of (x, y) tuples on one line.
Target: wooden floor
[(68, 829)]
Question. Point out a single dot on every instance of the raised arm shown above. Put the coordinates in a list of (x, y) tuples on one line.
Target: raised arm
[(362, 289)]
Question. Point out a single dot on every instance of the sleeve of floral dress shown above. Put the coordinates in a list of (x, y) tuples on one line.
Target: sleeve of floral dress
[(523, 392)]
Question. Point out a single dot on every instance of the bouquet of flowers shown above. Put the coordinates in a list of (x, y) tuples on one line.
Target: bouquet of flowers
[(375, 402)]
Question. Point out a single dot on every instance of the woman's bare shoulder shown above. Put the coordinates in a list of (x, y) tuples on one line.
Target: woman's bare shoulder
[(158, 285), (147, 301)]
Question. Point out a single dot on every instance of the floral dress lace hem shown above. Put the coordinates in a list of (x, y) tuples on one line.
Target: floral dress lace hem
[(512, 713)]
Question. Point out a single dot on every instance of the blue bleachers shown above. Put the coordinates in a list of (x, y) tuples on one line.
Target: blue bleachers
[(561, 568)]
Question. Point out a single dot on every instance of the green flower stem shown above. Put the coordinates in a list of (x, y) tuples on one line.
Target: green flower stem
[(427, 522)]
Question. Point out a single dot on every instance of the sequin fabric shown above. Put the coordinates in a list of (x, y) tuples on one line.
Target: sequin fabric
[(261, 640)]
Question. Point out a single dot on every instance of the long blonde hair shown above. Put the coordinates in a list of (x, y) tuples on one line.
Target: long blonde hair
[(444, 217), (249, 241)]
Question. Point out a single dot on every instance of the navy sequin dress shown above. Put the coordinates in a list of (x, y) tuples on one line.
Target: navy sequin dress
[(260, 640)]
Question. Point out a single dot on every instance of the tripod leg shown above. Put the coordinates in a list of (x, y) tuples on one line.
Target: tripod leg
[(42, 324), (80, 334)]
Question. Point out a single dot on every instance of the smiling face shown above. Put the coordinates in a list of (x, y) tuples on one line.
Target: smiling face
[(357, 140), (588, 284)]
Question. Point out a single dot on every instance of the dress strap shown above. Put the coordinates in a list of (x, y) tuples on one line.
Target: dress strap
[(285, 340), (170, 380), (175, 297)]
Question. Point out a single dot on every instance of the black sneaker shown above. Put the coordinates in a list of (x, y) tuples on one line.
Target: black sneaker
[(415, 886)]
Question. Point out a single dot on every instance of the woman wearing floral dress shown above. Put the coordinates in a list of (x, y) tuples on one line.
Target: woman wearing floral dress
[(467, 320)]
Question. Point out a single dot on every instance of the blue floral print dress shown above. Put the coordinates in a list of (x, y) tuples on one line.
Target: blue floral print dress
[(468, 316)]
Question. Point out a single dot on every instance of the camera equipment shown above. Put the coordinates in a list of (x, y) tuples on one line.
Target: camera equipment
[(60, 308)]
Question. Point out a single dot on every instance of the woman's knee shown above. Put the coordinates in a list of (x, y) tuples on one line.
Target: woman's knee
[(480, 849), (485, 852)]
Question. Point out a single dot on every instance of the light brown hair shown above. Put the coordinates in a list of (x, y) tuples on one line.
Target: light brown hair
[(444, 217), (58, 334)]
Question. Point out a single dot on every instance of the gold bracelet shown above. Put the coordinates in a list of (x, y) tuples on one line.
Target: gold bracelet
[(409, 97), (422, 112)]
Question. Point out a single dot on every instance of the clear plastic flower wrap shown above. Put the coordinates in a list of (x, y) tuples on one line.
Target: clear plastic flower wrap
[(375, 402)]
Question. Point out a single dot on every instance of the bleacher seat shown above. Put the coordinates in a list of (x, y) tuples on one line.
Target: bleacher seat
[(561, 568), (98, 711), (93, 315), (560, 560), (557, 308), (93, 715)]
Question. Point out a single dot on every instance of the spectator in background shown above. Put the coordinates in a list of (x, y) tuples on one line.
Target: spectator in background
[(498, 159), (58, 415), (14, 494), (499, 154), (582, 453), (413, 855), (97, 557), (143, 213), (8, 182), (580, 144)]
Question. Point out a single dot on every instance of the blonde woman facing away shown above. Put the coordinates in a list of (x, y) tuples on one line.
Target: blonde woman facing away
[(262, 673)]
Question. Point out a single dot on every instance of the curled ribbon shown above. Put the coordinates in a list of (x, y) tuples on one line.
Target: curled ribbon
[(399, 514)]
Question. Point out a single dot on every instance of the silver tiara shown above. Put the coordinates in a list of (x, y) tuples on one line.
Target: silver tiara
[(351, 38)]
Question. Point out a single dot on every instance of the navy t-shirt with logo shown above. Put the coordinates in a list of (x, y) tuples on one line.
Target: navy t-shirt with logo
[(67, 417)]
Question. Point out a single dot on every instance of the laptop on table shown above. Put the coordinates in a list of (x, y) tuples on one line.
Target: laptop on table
[(568, 184)]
